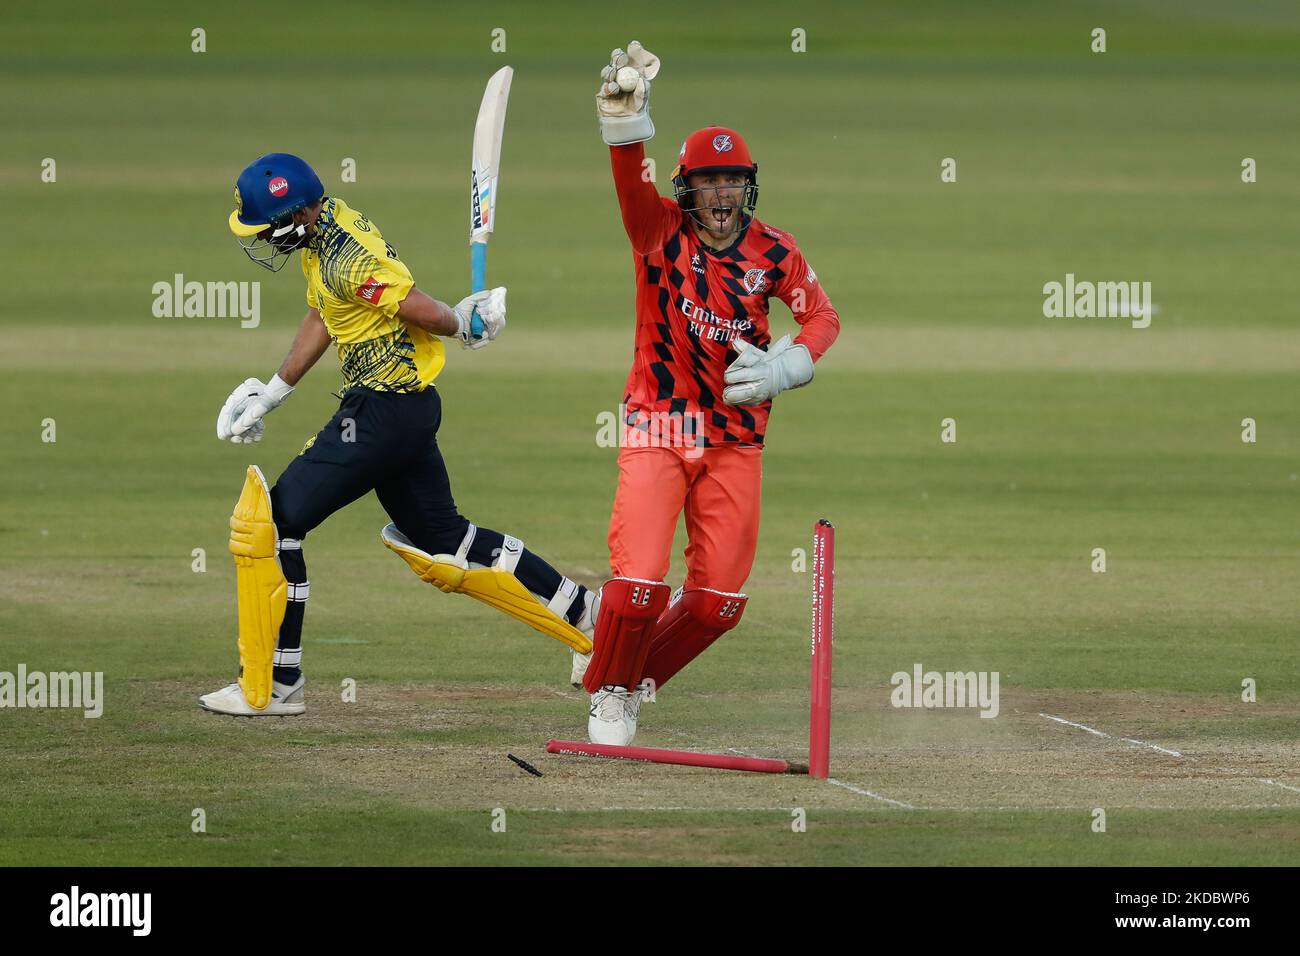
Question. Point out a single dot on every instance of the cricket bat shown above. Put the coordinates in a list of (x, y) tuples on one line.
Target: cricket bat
[(485, 179)]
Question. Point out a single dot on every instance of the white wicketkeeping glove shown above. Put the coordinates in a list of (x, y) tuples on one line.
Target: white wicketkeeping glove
[(491, 306), (623, 101), (756, 375), (240, 419)]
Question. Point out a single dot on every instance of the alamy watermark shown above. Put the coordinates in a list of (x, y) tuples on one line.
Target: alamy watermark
[(208, 300), (81, 690), (932, 689), (1102, 300), (75, 908), (642, 429)]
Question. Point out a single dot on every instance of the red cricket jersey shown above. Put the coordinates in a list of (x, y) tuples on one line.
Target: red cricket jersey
[(693, 301)]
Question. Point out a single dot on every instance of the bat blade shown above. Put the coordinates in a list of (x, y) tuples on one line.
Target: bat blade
[(486, 166), (484, 181)]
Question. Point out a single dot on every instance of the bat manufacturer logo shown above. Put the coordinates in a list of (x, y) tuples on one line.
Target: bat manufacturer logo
[(722, 143), (755, 281), (278, 186), (478, 201)]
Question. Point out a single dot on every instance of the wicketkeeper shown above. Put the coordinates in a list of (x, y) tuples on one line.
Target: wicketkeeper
[(703, 377), (383, 438)]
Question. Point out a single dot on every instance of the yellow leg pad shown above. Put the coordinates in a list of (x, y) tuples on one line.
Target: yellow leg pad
[(261, 587), (494, 587), (436, 570), (502, 590)]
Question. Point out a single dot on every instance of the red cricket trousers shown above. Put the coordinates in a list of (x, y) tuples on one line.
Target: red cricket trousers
[(720, 491)]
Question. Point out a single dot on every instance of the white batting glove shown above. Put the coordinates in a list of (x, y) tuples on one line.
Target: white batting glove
[(756, 376), (240, 419), (234, 407), (623, 101), (491, 306)]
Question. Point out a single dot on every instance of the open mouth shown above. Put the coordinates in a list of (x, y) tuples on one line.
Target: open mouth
[(721, 214)]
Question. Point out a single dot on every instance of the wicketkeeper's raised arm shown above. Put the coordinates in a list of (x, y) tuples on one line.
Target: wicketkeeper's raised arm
[(648, 217), (623, 108)]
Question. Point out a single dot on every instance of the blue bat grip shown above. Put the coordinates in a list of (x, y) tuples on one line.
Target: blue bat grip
[(477, 282)]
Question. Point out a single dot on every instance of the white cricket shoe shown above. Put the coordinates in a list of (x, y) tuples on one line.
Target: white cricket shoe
[(586, 624), (606, 720), (286, 700), (632, 708)]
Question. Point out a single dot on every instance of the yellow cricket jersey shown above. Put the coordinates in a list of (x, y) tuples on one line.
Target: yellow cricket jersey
[(357, 282)]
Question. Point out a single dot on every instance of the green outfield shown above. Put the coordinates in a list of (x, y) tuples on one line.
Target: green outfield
[(1072, 435)]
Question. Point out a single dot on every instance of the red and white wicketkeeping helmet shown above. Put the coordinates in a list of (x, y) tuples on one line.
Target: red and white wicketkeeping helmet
[(714, 149)]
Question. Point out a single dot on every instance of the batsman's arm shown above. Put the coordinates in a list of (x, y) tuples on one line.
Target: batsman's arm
[(308, 346), (649, 218), (428, 313), (240, 419)]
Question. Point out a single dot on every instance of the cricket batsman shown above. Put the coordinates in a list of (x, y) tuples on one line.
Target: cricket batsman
[(383, 438), (704, 374)]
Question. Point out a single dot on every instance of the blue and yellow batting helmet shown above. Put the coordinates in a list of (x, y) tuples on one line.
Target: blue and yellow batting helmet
[(270, 189)]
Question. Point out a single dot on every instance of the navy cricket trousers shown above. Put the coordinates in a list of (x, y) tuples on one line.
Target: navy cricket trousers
[(386, 442)]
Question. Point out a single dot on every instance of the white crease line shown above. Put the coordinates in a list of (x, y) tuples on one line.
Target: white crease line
[(868, 793), (1284, 786), (846, 786), (1127, 740), (1062, 720), (1142, 743)]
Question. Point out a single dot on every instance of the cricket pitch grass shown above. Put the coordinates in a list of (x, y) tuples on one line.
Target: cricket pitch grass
[(1121, 691)]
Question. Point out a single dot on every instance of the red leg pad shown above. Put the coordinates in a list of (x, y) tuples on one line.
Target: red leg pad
[(700, 617), (629, 608)]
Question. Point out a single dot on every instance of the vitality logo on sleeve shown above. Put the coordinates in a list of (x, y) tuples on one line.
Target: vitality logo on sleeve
[(372, 290)]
